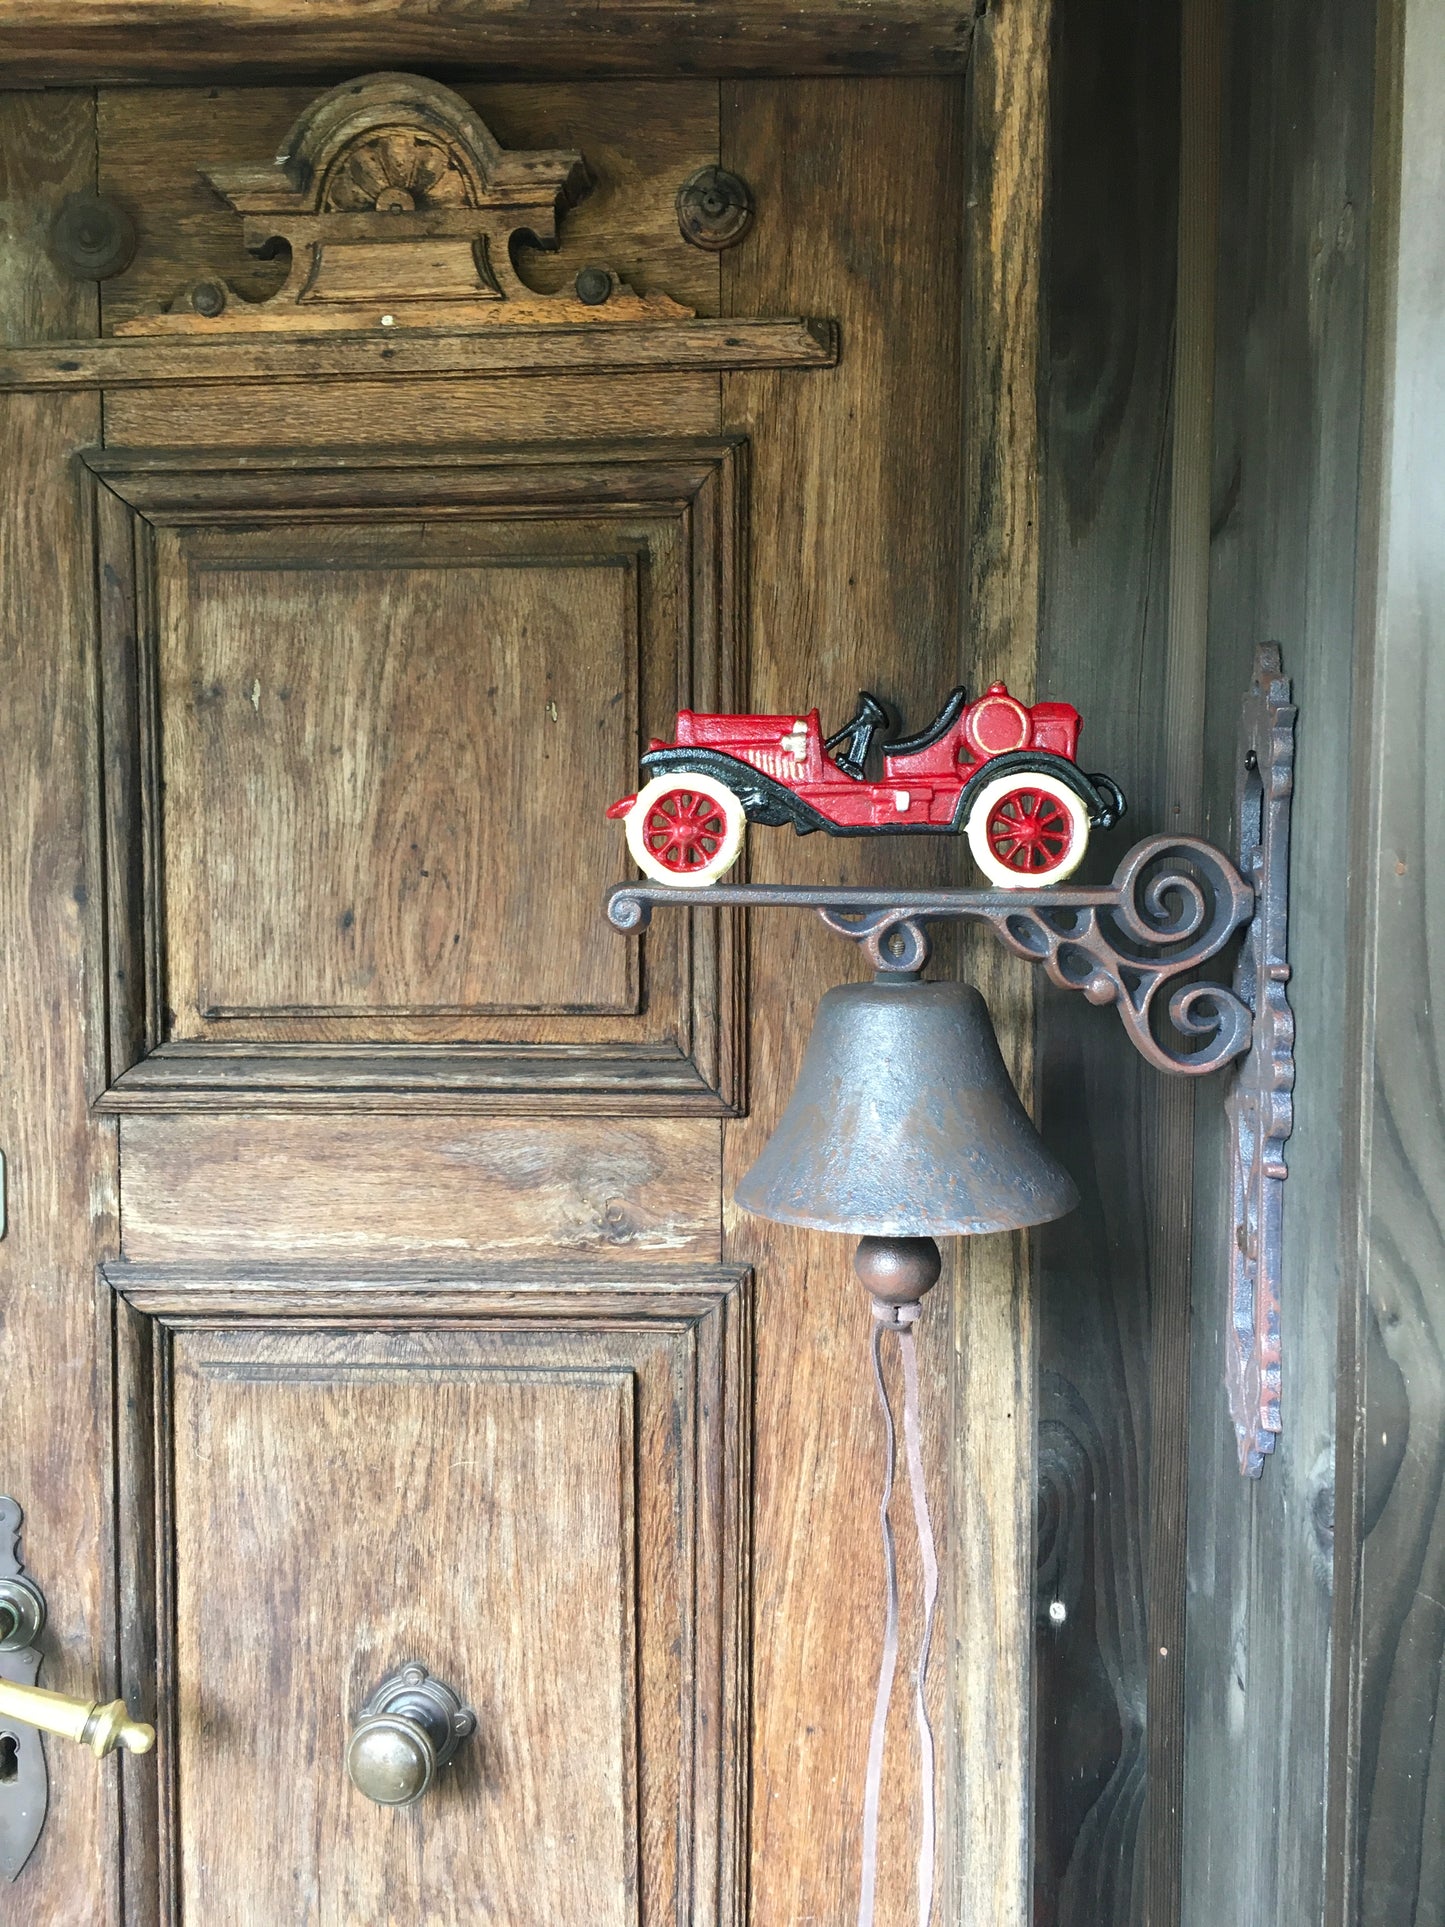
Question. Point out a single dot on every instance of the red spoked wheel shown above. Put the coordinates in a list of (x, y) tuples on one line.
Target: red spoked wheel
[(1027, 829), (685, 829)]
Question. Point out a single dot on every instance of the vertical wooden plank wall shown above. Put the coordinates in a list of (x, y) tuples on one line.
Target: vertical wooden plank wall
[(1112, 1290), (60, 1163), (1387, 1844), (1290, 313)]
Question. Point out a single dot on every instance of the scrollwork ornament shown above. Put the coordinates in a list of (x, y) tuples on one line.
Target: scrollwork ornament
[(1173, 903)]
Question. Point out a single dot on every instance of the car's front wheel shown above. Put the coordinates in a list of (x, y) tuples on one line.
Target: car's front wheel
[(685, 829), (1026, 829)]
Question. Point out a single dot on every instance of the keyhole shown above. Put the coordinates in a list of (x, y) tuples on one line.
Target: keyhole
[(9, 1758)]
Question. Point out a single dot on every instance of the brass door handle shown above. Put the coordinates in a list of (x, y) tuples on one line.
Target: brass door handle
[(409, 1729), (101, 1727)]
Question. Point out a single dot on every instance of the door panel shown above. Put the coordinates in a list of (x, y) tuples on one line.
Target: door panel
[(328, 680), (538, 1497), (489, 1531), (336, 742)]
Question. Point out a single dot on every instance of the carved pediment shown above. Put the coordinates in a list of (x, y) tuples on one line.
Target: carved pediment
[(399, 208)]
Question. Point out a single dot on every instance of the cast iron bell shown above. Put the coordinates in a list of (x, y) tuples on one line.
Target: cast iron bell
[(905, 1124)]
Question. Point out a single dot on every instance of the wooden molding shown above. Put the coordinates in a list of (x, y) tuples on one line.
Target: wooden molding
[(73, 42), (397, 206), (679, 347), (533, 1293)]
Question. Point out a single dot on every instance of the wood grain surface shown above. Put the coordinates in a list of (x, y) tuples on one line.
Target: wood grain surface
[(60, 1165), (417, 1188), (1294, 170), (1113, 1278), (429, 413), (82, 40), (337, 742), (856, 580), (525, 1603), (1387, 1844), (995, 1365), (664, 346)]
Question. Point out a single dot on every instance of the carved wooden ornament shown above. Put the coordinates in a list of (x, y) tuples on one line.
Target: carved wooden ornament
[(400, 209)]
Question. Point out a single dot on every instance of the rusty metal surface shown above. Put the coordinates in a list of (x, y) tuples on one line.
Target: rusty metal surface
[(1173, 903), (904, 1123), (25, 1783), (1259, 1100)]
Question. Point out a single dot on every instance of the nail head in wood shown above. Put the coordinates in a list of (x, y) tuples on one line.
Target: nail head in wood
[(714, 209), (594, 285), (92, 237)]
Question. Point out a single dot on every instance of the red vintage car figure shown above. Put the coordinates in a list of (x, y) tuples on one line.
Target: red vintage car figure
[(1002, 772)]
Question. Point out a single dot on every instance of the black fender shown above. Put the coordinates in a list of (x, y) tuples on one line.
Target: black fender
[(764, 800), (773, 804), (1100, 795)]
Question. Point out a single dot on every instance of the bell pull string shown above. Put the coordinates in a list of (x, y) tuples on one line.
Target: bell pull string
[(913, 1444), (901, 1319), (873, 1786)]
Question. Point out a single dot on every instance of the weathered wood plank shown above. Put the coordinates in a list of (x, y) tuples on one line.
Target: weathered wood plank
[(54, 1334), (605, 348), (407, 414), (1387, 1840), (429, 1189), (1113, 1283), (995, 1366), (1294, 191), (856, 577), (83, 40)]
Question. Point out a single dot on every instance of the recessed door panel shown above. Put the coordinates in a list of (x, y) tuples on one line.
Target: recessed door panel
[(536, 1491), (345, 1505), (376, 774)]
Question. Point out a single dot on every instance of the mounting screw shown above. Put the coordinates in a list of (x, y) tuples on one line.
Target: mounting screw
[(714, 209), (92, 237), (208, 298), (594, 285)]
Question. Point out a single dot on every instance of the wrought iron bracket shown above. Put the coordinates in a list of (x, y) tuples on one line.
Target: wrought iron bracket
[(1172, 905), (1260, 1100)]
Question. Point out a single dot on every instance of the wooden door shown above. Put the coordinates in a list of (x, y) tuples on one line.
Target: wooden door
[(373, 1289)]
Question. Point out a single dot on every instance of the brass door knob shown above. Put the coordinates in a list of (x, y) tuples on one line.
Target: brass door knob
[(101, 1727), (406, 1732)]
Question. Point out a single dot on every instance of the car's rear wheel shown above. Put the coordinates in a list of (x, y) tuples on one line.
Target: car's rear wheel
[(685, 829), (1027, 829)]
